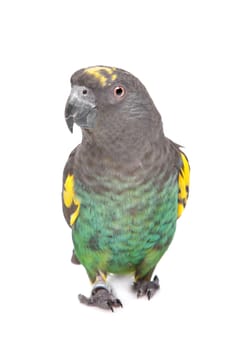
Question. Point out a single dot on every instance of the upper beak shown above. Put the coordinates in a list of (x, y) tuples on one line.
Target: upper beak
[(80, 108)]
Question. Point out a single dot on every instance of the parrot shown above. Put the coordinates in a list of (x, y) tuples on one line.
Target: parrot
[(124, 186)]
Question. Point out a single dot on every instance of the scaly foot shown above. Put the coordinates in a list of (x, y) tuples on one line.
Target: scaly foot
[(147, 288), (102, 298)]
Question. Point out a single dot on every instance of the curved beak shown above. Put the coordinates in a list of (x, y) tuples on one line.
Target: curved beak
[(80, 108)]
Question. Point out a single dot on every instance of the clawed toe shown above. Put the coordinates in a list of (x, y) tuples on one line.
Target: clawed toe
[(147, 288), (102, 298)]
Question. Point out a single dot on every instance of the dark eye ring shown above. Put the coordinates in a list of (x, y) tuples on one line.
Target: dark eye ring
[(119, 91)]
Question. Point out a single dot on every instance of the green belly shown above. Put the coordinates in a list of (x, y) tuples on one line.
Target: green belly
[(119, 227)]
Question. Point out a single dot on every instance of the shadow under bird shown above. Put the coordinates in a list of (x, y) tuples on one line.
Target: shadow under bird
[(124, 186)]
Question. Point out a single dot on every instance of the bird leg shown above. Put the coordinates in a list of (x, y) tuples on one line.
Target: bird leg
[(145, 287), (101, 296)]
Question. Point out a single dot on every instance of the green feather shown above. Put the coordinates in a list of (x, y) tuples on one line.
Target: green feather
[(125, 232)]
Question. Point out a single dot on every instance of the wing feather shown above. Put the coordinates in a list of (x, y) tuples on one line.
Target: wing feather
[(183, 182), (71, 203)]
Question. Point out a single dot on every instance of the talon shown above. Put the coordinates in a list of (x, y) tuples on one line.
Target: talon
[(119, 302), (156, 280), (110, 306), (149, 294), (147, 288)]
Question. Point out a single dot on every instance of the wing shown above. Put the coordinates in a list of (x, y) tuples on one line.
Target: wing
[(70, 202), (183, 181)]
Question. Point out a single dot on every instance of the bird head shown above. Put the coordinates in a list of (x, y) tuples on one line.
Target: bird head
[(110, 103), (108, 90)]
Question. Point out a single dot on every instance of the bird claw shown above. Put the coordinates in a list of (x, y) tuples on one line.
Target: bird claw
[(147, 288), (115, 303), (102, 298)]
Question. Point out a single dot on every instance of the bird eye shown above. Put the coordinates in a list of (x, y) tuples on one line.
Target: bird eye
[(84, 91), (119, 91)]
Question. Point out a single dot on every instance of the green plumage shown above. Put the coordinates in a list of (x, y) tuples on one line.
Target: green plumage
[(114, 233)]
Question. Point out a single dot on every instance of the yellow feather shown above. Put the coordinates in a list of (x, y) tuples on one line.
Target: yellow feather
[(97, 73), (114, 76), (74, 216), (183, 181), (68, 193), (70, 199)]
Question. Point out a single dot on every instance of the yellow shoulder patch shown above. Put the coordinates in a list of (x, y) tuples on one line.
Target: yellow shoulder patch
[(70, 200), (102, 74), (183, 182)]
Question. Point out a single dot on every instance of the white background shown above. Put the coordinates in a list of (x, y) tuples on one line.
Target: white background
[(182, 52)]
